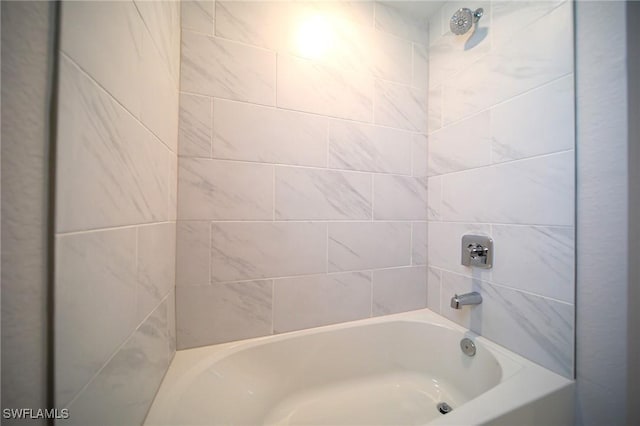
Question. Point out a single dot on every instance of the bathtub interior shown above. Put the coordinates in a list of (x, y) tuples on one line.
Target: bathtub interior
[(309, 377)]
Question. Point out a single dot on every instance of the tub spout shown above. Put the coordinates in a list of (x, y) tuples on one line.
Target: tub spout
[(458, 301)]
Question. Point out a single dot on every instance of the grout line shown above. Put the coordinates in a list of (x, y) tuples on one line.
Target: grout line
[(503, 286), (99, 88), (486, 166), (210, 253), (314, 114), (273, 194), (301, 166)]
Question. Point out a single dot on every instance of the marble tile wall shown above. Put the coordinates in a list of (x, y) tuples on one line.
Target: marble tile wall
[(116, 207), (302, 177), (501, 163)]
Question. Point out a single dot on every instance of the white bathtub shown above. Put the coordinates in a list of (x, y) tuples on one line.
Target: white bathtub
[(389, 370)]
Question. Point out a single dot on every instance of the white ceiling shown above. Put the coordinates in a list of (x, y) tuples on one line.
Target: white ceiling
[(420, 8)]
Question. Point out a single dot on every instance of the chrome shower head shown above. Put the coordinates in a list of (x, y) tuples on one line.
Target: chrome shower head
[(463, 20)]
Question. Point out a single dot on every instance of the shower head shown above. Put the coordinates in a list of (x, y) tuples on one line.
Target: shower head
[(463, 20)]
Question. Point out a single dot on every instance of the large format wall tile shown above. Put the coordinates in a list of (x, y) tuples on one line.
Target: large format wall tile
[(198, 15), (196, 126), (538, 122), (369, 148), (419, 243), (222, 190), (534, 191), (156, 249), (460, 146), (123, 167), (400, 106), (399, 198), (537, 328), (193, 253), (393, 21), (223, 312), (534, 57), (399, 290), (160, 98), (369, 245), (310, 194), (162, 18), (123, 390), (96, 303), (278, 135), (312, 301), (256, 133), (306, 85), (536, 259), (105, 40), (217, 67), (243, 251)]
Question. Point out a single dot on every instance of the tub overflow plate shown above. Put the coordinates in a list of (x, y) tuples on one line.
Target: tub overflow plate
[(468, 347)]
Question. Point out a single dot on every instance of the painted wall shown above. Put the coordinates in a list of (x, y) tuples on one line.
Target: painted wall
[(501, 163), (27, 56), (302, 190), (116, 207), (603, 270)]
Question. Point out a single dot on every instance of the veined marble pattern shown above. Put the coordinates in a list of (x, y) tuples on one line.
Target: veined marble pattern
[(160, 99), (420, 164), (548, 267), (532, 58), (156, 274), (312, 301), (534, 191), (434, 120), (536, 123), (124, 168), (263, 24), (365, 147), (460, 146), (278, 26), (434, 198), (223, 190), (420, 74), (399, 289), (161, 19), (124, 389), (392, 58), (193, 253), (118, 30), (538, 328), (217, 67), (244, 251), (96, 304), (306, 85), (450, 54), (173, 188), (512, 17), (393, 21), (419, 243), (223, 312), (369, 245), (310, 194), (400, 106), (255, 133), (433, 290), (196, 126), (198, 15), (399, 198)]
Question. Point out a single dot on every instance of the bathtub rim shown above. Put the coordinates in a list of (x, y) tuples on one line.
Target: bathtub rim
[(523, 381)]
